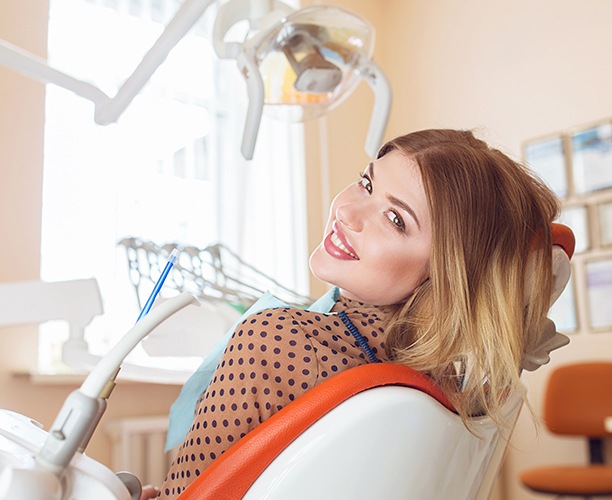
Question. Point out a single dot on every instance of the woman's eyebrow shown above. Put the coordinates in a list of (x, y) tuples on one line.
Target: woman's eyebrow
[(396, 201), (404, 206)]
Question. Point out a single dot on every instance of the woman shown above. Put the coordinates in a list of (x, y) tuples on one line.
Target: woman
[(432, 251)]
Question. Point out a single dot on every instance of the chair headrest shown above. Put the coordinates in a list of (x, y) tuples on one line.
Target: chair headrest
[(564, 244), (563, 236), (563, 248)]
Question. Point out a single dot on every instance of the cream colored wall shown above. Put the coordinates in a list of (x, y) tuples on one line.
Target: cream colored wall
[(23, 23), (515, 70)]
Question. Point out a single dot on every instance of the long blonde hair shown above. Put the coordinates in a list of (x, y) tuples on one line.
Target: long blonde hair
[(491, 235)]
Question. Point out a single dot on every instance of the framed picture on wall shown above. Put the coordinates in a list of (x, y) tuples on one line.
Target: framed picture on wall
[(546, 157), (591, 151), (605, 223), (599, 291)]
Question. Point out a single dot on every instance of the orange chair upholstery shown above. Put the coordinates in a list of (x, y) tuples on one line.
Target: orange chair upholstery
[(564, 237), (578, 402)]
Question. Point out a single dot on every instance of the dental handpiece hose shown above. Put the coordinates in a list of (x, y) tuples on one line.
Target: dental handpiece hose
[(84, 407), (100, 381)]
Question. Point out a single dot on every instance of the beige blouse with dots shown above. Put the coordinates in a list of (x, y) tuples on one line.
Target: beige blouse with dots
[(273, 357)]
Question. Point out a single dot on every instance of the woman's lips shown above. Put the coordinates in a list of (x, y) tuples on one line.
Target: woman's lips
[(337, 246)]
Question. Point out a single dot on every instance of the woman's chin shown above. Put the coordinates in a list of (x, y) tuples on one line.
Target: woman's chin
[(317, 263)]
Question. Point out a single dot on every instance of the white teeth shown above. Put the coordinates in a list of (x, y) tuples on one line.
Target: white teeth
[(336, 241)]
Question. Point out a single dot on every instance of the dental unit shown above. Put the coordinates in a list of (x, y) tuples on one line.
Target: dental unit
[(40, 465)]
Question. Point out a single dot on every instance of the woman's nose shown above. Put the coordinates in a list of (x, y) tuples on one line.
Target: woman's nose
[(350, 215)]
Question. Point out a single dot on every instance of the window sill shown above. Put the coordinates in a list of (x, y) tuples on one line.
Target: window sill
[(50, 378), (64, 379)]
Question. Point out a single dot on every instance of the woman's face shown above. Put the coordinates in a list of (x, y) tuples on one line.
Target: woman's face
[(377, 242)]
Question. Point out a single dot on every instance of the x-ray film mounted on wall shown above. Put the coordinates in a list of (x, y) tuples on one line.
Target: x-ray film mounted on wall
[(605, 223), (546, 157), (599, 291), (577, 218), (592, 158)]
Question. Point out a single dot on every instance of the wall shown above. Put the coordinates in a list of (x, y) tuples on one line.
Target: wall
[(24, 23), (513, 69)]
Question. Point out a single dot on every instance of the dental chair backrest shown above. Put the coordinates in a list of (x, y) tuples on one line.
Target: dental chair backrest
[(375, 431)]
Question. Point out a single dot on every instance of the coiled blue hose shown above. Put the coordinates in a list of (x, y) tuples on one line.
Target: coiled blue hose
[(361, 340)]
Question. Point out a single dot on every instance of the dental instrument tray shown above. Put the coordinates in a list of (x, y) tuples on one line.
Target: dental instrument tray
[(214, 273)]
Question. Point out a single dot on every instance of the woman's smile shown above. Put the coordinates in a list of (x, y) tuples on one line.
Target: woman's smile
[(337, 245)]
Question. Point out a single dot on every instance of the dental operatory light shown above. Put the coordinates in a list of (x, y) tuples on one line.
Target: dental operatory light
[(303, 63), (299, 64)]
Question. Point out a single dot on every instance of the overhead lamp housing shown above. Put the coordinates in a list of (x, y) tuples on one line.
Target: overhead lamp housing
[(303, 63)]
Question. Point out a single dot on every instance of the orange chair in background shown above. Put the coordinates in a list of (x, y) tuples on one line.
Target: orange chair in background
[(578, 402)]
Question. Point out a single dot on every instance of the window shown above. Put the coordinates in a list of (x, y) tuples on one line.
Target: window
[(169, 169)]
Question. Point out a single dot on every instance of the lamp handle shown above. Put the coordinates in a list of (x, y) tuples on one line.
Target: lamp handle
[(376, 79), (255, 91)]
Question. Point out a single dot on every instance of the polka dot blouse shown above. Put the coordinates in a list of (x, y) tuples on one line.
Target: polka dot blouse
[(273, 357)]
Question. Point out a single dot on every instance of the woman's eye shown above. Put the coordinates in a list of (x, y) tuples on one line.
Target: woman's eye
[(396, 220), (366, 183)]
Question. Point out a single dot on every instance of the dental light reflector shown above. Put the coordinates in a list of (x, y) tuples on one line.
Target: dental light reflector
[(303, 64), (322, 49), (313, 73)]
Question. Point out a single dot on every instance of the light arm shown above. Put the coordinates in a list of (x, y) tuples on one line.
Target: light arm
[(107, 109), (255, 90), (184, 19), (382, 106), (36, 67)]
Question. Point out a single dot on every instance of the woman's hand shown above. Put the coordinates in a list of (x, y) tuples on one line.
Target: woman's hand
[(148, 492)]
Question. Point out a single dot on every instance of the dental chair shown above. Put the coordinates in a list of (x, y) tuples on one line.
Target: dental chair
[(375, 431)]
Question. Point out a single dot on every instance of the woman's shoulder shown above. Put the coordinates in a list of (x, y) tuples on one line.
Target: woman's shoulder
[(287, 322), (267, 331), (284, 315)]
